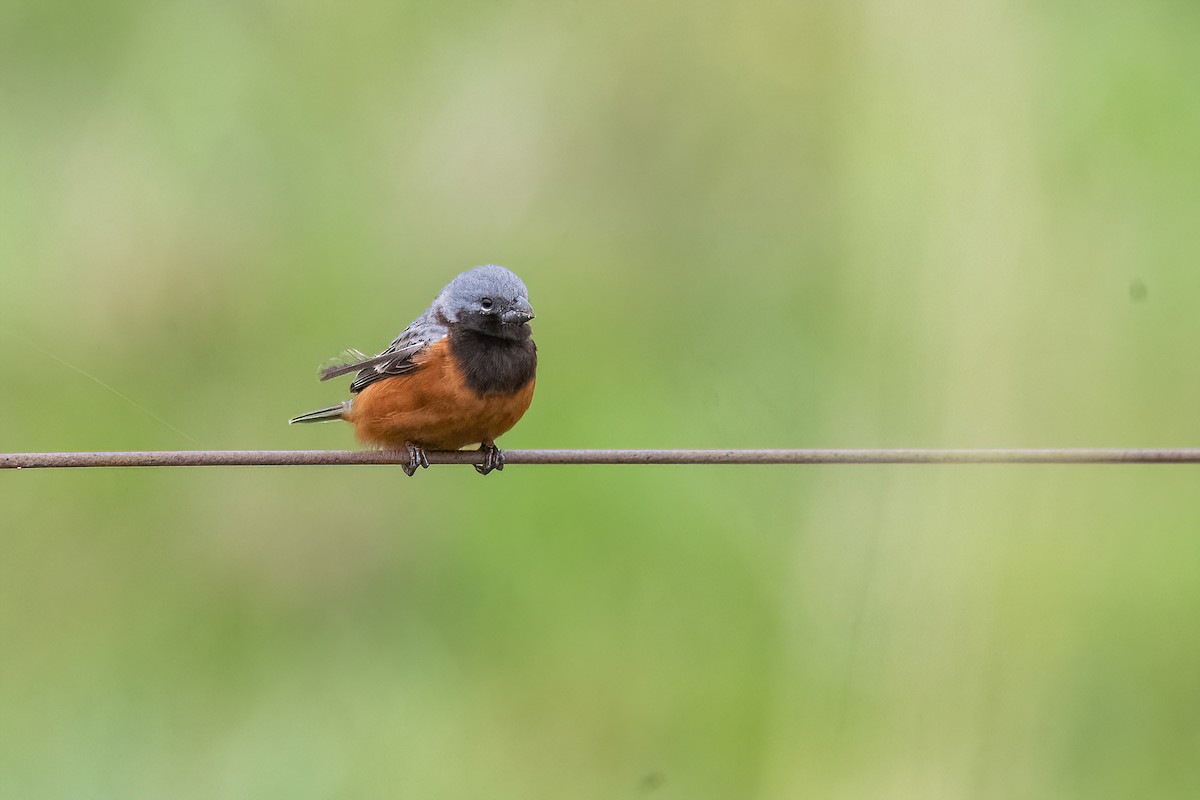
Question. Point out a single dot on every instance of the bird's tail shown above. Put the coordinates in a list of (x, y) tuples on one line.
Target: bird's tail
[(324, 414)]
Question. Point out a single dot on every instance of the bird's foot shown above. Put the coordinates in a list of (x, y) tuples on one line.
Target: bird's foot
[(493, 458), (416, 458)]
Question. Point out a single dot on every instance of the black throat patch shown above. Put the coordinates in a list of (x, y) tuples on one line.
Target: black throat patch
[(491, 364)]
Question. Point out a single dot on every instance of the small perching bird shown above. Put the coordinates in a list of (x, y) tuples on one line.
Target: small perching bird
[(463, 372)]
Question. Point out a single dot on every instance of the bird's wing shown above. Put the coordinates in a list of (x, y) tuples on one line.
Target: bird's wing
[(397, 359)]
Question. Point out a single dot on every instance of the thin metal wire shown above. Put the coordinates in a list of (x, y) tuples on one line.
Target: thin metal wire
[(291, 458)]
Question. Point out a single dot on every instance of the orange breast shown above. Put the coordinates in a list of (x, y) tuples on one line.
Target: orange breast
[(433, 407)]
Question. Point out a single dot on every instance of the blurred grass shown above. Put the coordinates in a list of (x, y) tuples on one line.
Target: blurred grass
[(749, 224)]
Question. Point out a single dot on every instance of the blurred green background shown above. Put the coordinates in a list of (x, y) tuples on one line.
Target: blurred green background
[(750, 224)]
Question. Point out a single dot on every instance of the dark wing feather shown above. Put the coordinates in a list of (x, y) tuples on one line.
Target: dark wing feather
[(397, 359), (347, 361), (398, 363), (343, 366)]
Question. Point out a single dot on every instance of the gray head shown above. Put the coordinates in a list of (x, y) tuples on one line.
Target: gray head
[(490, 300)]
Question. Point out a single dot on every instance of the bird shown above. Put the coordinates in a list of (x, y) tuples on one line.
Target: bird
[(461, 373)]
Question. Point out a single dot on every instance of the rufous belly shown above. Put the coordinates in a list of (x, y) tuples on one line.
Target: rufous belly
[(433, 408)]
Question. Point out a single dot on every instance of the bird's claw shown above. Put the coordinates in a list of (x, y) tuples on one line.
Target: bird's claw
[(416, 458), (493, 458)]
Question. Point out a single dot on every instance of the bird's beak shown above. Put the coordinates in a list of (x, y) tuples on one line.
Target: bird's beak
[(519, 314)]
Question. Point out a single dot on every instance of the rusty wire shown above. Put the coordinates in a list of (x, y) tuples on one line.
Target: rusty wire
[(288, 458)]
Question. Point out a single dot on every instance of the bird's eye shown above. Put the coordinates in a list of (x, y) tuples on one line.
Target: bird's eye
[(485, 303)]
